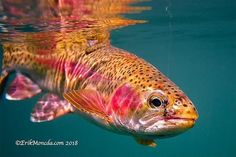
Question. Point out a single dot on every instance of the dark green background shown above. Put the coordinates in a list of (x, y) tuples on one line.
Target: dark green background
[(194, 43)]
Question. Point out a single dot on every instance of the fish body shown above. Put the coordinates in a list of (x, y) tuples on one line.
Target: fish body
[(112, 87), (71, 60)]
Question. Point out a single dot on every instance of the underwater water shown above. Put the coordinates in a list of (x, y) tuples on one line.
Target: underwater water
[(194, 44)]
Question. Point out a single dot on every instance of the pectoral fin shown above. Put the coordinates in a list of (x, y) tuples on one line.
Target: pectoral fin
[(89, 102), (22, 88), (146, 142), (49, 107)]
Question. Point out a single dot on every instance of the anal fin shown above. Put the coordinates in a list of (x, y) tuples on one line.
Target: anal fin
[(22, 88), (49, 107)]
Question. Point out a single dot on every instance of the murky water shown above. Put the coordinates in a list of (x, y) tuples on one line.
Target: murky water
[(192, 42)]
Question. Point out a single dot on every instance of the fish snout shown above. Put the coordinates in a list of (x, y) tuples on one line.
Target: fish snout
[(183, 108)]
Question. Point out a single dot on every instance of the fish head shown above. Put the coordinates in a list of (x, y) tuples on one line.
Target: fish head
[(165, 114), (156, 111)]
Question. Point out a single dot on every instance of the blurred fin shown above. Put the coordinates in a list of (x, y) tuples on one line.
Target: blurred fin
[(49, 107), (3, 80), (146, 142), (22, 88)]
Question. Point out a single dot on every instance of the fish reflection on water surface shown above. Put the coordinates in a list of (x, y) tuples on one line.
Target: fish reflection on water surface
[(68, 56)]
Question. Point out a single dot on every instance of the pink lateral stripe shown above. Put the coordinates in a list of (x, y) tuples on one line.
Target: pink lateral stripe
[(125, 98), (72, 69)]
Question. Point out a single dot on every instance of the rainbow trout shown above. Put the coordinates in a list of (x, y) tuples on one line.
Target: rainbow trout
[(111, 86), (80, 72)]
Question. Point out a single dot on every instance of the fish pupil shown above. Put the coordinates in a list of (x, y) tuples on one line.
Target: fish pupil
[(155, 102)]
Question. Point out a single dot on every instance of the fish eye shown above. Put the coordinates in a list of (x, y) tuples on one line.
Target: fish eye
[(155, 102)]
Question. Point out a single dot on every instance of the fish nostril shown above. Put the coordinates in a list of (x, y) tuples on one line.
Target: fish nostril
[(178, 103), (185, 105)]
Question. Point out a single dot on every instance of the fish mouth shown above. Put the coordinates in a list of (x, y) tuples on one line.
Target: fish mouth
[(169, 126), (178, 119), (179, 122)]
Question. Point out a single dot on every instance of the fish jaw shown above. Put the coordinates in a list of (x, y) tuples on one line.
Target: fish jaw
[(170, 126)]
